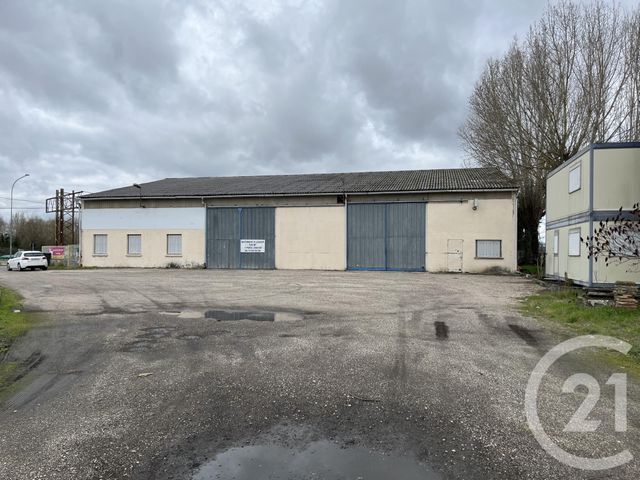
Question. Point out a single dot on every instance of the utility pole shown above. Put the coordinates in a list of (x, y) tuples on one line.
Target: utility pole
[(65, 206), (11, 214)]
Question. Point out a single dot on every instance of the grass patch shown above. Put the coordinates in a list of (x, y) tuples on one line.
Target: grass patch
[(564, 310), (12, 325), (532, 270)]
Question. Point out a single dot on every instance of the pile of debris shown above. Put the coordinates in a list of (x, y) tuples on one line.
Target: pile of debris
[(625, 295), (598, 297)]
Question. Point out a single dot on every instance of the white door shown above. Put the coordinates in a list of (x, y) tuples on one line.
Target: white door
[(556, 251), (454, 255)]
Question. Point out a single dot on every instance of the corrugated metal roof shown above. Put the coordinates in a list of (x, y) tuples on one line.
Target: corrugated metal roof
[(456, 179)]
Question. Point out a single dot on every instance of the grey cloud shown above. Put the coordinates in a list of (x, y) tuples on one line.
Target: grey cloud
[(96, 94)]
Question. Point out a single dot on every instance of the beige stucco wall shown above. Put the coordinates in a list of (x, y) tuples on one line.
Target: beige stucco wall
[(561, 203), (495, 219), (617, 178), (307, 237), (154, 249), (615, 272), (574, 268), (577, 268), (311, 238)]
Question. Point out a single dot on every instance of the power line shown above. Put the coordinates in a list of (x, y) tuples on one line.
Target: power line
[(22, 200), (22, 208)]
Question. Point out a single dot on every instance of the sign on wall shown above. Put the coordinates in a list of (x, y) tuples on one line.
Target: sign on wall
[(56, 252), (252, 246)]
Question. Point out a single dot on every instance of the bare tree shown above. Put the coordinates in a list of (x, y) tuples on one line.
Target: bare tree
[(33, 232), (617, 240), (574, 80), (4, 236)]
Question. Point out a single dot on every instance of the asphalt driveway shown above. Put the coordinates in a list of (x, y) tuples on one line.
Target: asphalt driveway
[(157, 373)]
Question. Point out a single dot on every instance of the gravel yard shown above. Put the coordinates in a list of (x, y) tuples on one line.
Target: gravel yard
[(153, 374)]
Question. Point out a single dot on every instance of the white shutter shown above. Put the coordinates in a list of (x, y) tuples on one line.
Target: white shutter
[(574, 243), (174, 244), (574, 179), (489, 248)]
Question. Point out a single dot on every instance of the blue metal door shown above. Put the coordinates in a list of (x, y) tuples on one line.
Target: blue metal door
[(405, 235), (229, 229), (366, 236), (386, 236)]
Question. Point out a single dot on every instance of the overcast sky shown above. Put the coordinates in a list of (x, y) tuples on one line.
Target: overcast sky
[(101, 94)]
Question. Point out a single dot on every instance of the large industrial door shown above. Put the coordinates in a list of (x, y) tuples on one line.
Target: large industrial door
[(386, 236), (366, 236), (241, 238)]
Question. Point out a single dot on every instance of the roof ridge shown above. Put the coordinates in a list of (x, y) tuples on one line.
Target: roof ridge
[(391, 181)]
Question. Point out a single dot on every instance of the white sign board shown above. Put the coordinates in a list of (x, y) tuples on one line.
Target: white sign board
[(252, 246)]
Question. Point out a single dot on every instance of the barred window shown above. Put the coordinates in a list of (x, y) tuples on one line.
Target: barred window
[(100, 244), (134, 244), (174, 244), (489, 248)]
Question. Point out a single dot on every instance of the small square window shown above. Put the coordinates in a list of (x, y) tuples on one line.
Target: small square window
[(100, 244), (134, 244), (488, 248), (574, 179), (574, 243), (174, 244)]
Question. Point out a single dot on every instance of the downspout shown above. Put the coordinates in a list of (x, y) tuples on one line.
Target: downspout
[(206, 240), (346, 231), (81, 236), (426, 236), (515, 239), (591, 162)]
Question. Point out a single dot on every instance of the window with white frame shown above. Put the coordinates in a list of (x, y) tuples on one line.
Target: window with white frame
[(575, 178), (574, 242), (488, 248), (99, 244), (556, 242), (134, 244), (174, 244)]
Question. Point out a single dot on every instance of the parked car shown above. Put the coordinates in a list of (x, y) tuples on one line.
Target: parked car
[(28, 259)]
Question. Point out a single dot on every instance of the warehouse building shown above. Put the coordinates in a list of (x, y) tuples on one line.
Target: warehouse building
[(457, 220), (591, 187)]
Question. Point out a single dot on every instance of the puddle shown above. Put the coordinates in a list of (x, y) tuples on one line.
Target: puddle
[(525, 334), (442, 330), (235, 315), (321, 460), (254, 315), (230, 315), (186, 314)]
